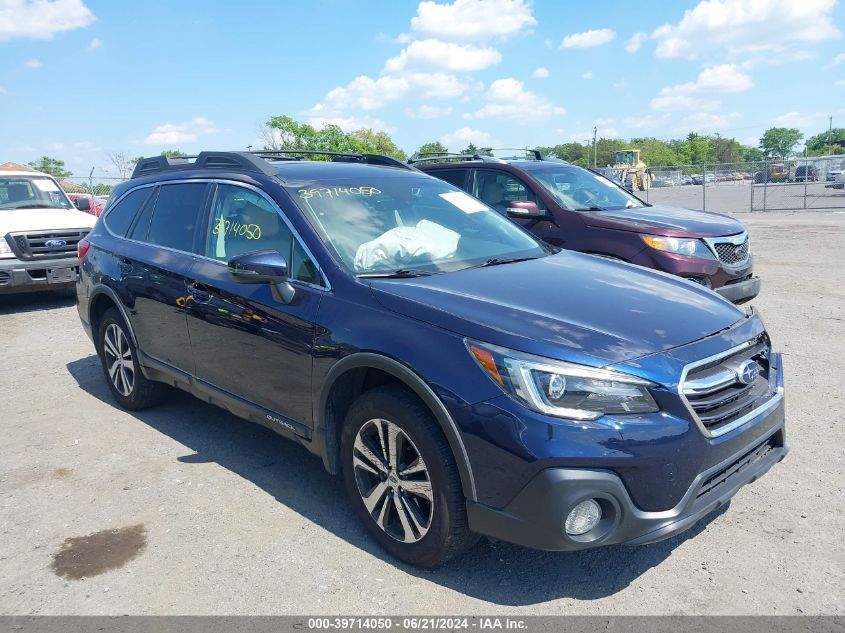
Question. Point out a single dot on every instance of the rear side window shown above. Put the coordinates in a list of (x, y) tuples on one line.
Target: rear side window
[(453, 176), (174, 220), (120, 217)]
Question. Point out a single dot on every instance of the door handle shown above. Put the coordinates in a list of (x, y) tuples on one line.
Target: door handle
[(199, 293)]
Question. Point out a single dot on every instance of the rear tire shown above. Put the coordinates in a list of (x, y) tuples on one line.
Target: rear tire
[(119, 360), (401, 478)]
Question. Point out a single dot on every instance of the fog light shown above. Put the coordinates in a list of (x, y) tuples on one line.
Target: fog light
[(583, 517)]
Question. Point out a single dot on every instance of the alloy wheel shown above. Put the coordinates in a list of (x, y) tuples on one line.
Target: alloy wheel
[(393, 480), (118, 357)]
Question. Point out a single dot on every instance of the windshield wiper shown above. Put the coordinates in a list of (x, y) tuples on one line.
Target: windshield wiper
[(401, 273), (498, 261), (37, 206), (591, 209)]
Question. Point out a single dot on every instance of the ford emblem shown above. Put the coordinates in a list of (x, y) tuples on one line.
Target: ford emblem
[(55, 243)]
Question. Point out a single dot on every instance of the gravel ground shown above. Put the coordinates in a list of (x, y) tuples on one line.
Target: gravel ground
[(185, 509)]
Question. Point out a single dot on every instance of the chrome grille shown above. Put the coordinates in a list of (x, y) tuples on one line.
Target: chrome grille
[(731, 250), (732, 253), (721, 390), (46, 244)]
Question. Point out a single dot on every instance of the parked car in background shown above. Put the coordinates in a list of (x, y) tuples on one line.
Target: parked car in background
[(699, 179), (569, 206), (806, 173), (87, 203), (462, 376), (39, 231)]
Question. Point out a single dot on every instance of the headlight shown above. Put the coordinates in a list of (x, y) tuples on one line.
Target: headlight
[(562, 389), (682, 246), (5, 249)]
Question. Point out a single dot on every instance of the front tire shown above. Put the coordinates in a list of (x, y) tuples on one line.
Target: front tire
[(119, 360), (401, 478)]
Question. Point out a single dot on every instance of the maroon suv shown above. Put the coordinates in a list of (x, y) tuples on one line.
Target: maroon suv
[(583, 211)]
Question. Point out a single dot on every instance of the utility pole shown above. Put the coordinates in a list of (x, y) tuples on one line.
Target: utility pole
[(829, 132), (595, 147)]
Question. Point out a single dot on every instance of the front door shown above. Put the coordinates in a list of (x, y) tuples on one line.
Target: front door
[(244, 341)]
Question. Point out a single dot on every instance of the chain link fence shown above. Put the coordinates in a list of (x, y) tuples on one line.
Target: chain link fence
[(768, 185)]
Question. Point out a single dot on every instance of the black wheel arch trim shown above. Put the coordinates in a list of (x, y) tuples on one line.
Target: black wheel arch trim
[(419, 386), (102, 289)]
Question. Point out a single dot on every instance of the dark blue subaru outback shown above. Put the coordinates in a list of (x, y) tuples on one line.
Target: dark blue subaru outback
[(462, 376)]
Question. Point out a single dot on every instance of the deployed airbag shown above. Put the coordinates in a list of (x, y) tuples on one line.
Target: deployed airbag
[(405, 244)]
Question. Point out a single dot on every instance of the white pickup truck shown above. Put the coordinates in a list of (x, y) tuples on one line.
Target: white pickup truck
[(39, 230)]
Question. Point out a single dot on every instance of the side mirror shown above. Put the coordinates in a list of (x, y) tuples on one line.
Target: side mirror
[(83, 204), (524, 209), (263, 267)]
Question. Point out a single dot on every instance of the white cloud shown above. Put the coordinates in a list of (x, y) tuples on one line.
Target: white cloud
[(473, 20), (508, 99), (366, 93), (428, 112), (540, 73), (839, 59), (587, 75), (41, 19), (636, 42), (349, 123), (33, 63), (187, 132), (466, 135), (798, 119), (688, 96), (586, 39), (95, 44), (683, 102), (433, 53), (745, 26), (706, 122), (839, 83), (645, 121)]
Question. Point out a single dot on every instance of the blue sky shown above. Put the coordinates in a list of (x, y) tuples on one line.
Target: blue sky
[(80, 78)]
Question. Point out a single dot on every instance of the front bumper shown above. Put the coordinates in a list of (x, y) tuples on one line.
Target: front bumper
[(535, 518), (741, 291), (44, 274)]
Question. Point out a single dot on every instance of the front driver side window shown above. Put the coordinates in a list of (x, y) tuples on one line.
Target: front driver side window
[(498, 189), (243, 220)]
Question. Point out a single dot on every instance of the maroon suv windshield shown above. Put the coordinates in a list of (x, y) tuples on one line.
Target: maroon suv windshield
[(582, 190)]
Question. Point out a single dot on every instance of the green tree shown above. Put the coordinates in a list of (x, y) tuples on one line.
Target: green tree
[(780, 141), (570, 152), (52, 166), (818, 143), (726, 150), (432, 147), (752, 154), (172, 153), (605, 149), (285, 133), (655, 152)]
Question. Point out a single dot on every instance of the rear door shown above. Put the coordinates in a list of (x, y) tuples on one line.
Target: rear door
[(245, 342), (155, 269)]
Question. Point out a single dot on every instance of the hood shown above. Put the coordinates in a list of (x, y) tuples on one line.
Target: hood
[(668, 221), (567, 306), (14, 220)]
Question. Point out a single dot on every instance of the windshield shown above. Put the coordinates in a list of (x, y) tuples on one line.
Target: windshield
[(412, 224), (582, 190), (31, 192)]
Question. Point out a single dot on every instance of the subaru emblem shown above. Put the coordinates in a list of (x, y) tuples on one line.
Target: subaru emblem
[(55, 243), (748, 371)]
